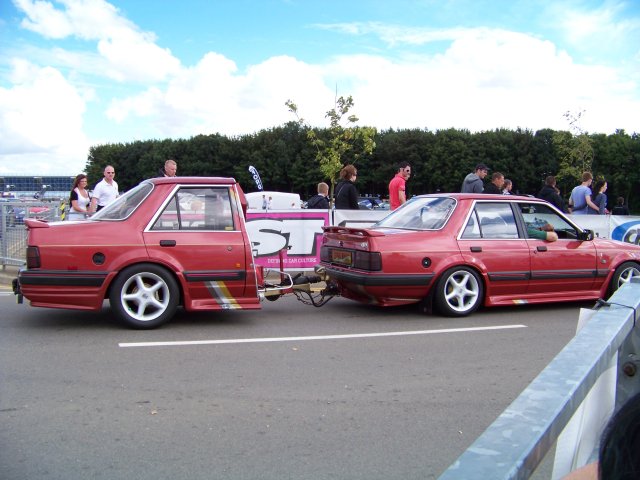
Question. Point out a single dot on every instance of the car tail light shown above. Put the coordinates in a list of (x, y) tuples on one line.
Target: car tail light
[(367, 260), (33, 257)]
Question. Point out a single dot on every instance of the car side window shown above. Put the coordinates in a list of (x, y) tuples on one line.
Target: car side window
[(536, 215), (471, 230), (491, 220), (197, 209)]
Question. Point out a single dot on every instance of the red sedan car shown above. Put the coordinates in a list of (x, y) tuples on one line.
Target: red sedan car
[(166, 242), (461, 251)]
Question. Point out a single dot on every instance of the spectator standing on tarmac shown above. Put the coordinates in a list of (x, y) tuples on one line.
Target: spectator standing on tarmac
[(346, 192), (473, 182), (105, 191), (506, 188), (169, 170), (397, 186), (495, 186), (600, 198), (580, 200), (549, 192), (79, 199), (620, 208), (321, 200)]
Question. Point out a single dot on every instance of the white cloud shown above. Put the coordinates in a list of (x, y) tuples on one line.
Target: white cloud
[(395, 35), (128, 54), (213, 97), (131, 57), (609, 33), (44, 18), (486, 79), (41, 118), (86, 19)]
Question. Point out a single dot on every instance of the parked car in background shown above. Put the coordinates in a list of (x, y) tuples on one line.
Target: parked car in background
[(372, 203), (458, 252)]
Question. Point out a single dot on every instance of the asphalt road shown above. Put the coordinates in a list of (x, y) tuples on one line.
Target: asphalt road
[(258, 398)]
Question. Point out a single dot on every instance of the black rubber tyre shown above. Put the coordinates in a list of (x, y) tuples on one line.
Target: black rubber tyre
[(459, 292), (144, 296), (623, 274)]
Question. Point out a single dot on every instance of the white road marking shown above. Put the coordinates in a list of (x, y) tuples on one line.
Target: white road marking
[(318, 337)]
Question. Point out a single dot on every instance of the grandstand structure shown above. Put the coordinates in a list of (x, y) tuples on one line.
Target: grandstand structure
[(41, 188)]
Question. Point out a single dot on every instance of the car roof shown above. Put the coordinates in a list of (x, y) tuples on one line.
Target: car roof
[(485, 196), (193, 180)]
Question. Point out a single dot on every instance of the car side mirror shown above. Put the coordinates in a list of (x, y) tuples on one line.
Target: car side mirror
[(586, 235)]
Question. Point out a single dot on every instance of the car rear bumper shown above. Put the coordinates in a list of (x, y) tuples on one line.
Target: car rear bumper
[(372, 279), (61, 289)]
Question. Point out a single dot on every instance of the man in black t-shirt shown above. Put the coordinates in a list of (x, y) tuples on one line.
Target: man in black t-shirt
[(495, 186)]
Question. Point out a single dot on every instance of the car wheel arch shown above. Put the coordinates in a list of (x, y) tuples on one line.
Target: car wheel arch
[(619, 270), (446, 305), (481, 273), (178, 278)]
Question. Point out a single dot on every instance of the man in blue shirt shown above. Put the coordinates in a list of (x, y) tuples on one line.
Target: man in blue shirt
[(580, 200)]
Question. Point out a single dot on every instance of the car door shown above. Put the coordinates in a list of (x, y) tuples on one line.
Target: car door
[(490, 240), (197, 233), (562, 267)]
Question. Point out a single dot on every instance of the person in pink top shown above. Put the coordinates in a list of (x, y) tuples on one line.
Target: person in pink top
[(397, 186)]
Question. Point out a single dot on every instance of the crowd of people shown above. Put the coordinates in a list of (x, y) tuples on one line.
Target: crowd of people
[(82, 205), (583, 199)]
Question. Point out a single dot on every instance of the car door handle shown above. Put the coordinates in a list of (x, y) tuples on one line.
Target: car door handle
[(476, 249), (541, 248), (167, 243)]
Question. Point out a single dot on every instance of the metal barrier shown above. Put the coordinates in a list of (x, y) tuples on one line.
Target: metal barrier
[(13, 234), (515, 444)]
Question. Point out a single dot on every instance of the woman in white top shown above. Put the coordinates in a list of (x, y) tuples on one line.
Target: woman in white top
[(79, 199)]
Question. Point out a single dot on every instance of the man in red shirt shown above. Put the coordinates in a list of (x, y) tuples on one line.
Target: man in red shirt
[(397, 194)]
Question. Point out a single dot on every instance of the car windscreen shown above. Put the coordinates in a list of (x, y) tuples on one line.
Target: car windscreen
[(125, 204), (420, 213)]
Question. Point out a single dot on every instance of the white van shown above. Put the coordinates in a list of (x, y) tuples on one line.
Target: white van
[(279, 200)]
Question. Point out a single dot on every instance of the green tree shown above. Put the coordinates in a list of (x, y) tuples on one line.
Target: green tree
[(343, 140), (575, 149)]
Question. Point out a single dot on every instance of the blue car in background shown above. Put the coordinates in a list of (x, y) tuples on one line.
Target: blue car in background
[(372, 203)]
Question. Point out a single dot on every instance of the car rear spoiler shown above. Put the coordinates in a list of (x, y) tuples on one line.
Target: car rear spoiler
[(362, 232), (35, 223)]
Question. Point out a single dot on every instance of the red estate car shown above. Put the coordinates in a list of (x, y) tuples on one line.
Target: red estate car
[(166, 242), (461, 251)]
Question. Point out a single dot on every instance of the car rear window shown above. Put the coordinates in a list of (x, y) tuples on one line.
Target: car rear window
[(420, 213), (124, 205)]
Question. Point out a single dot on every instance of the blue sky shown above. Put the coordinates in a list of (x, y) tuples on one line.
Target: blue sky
[(76, 73)]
